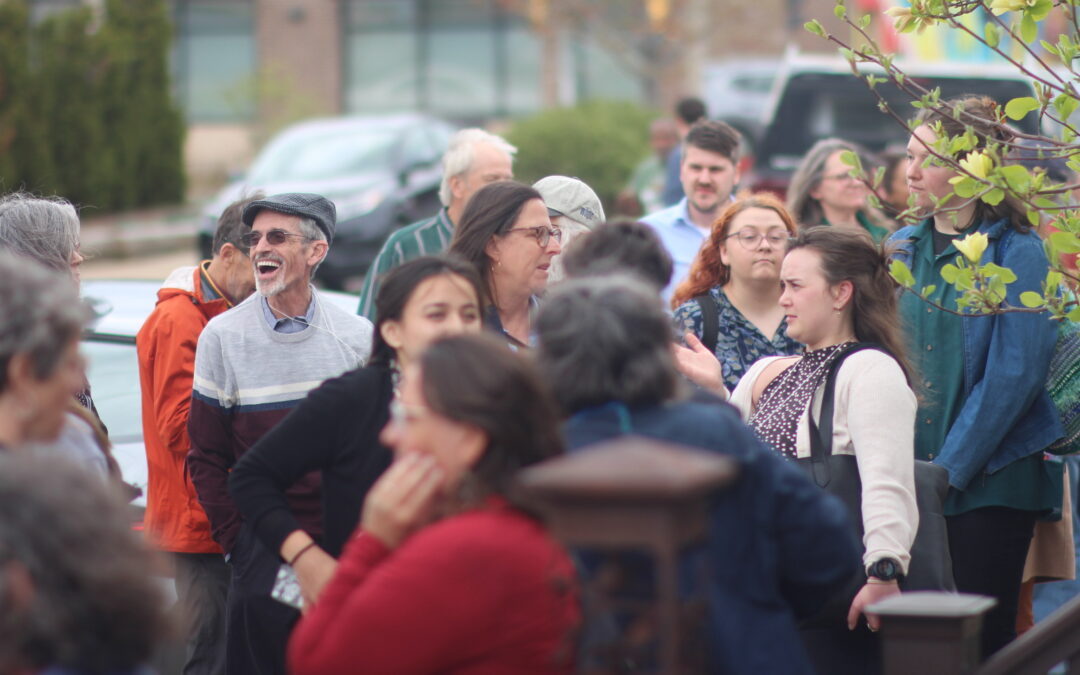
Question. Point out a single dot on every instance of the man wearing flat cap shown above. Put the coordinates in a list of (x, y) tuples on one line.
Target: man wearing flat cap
[(253, 364)]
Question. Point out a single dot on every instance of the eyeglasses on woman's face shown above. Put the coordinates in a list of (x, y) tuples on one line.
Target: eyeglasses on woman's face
[(273, 237), (751, 238), (542, 233)]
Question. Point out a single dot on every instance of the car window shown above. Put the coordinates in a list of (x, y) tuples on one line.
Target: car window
[(327, 154), (113, 373), (820, 105)]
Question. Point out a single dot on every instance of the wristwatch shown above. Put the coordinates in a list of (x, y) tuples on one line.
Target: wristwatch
[(886, 569)]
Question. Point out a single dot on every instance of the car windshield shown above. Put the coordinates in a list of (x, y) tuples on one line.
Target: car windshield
[(113, 374), (323, 154)]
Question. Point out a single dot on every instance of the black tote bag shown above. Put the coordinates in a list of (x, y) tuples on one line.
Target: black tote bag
[(931, 564)]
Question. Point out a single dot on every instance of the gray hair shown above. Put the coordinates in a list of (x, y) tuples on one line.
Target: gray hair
[(95, 606), (606, 339), (805, 209), (45, 229), (313, 232), (42, 314), (458, 157)]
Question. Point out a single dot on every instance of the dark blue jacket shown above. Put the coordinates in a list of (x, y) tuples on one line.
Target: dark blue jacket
[(779, 546), (1007, 413)]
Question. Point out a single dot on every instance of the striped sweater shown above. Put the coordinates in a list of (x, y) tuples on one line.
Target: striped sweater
[(247, 378)]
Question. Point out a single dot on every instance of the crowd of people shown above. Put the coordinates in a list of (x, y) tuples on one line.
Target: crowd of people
[(334, 491)]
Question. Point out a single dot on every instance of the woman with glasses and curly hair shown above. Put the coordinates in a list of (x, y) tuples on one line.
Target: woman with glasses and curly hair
[(728, 305), (507, 234)]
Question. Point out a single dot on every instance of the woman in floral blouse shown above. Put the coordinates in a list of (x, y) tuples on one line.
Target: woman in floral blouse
[(738, 271)]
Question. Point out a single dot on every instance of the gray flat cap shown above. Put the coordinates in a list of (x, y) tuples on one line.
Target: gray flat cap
[(304, 204)]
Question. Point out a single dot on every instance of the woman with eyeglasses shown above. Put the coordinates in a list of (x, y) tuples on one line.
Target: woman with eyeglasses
[(446, 574), (335, 430), (823, 191), (731, 297), (507, 233)]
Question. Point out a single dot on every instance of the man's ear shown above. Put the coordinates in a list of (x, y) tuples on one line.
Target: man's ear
[(319, 249)]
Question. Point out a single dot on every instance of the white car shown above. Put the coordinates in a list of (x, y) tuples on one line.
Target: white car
[(120, 308)]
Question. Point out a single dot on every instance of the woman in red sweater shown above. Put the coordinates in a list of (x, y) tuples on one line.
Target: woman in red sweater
[(444, 573)]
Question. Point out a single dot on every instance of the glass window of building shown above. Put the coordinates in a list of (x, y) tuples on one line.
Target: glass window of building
[(214, 59)]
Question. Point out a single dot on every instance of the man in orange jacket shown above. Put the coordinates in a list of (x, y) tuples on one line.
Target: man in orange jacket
[(174, 520)]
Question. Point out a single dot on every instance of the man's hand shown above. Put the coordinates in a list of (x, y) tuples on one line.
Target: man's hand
[(403, 499), (699, 365), (871, 592)]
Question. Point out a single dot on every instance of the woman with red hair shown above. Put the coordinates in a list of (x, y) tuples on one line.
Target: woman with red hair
[(729, 303)]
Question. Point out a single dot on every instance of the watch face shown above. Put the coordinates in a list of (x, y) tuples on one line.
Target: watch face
[(885, 569)]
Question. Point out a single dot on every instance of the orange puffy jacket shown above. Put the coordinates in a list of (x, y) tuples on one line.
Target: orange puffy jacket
[(166, 342)]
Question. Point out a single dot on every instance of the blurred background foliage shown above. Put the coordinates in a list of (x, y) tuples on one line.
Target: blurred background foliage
[(85, 105), (599, 142)]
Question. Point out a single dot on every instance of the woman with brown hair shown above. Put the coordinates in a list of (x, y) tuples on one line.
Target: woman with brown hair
[(445, 574), (507, 234), (728, 304), (986, 416), (837, 296)]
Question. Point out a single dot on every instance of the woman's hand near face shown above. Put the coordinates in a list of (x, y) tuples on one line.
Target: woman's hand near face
[(402, 500), (699, 365), (870, 593)]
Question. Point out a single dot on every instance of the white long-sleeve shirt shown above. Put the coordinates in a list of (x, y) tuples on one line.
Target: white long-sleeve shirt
[(874, 419)]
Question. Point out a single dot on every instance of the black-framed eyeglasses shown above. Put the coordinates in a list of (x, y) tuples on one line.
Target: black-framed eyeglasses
[(542, 233), (273, 237), (751, 239)]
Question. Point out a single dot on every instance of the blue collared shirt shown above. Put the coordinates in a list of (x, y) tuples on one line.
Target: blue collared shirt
[(680, 237), (289, 324)]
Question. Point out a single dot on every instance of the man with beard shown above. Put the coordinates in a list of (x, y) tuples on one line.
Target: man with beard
[(252, 365), (709, 172)]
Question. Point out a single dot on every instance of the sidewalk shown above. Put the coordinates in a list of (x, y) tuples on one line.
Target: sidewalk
[(142, 232)]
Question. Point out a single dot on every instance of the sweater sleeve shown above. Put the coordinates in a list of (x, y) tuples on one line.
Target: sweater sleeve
[(309, 438), (880, 418), (413, 610), (210, 428)]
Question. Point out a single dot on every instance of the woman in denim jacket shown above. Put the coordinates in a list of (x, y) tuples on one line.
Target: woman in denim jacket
[(985, 414)]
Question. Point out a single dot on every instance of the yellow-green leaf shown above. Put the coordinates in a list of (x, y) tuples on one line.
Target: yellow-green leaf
[(949, 273), (990, 32), (1017, 108), (1031, 299), (1065, 105), (1029, 30), (815, 27), (1017, 177), (994, 197), (1065, 242), (901, 273)]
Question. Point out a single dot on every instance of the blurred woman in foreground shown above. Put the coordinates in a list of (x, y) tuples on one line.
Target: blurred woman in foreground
[(445, 574)]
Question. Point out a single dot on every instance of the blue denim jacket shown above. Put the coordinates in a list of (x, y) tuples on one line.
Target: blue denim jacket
[(1007, 413)]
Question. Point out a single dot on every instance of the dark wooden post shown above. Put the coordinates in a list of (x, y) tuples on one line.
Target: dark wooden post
[(634, 494), (931, 633)]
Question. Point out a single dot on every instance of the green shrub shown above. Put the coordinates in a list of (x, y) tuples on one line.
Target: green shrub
[(86, 110), (599, 142)]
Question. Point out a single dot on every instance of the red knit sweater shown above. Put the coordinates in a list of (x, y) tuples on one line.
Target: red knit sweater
[(486, 591)]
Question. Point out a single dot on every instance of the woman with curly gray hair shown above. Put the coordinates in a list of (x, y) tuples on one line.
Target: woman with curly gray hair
[(823, 191), (42, 229), (76, 592)]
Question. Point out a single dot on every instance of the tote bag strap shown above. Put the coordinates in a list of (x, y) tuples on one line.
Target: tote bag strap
[(710, 321), (821, 433)]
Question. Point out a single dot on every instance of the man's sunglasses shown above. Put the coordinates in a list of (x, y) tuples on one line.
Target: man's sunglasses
[(273, 237)]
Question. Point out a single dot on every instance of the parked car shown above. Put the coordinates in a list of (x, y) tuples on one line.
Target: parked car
[(818, 97), (108, 344), (381, 172)]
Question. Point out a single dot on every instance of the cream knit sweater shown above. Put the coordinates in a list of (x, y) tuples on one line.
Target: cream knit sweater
[(875, 421)]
